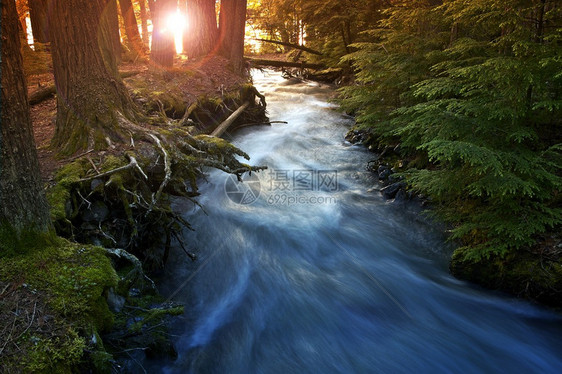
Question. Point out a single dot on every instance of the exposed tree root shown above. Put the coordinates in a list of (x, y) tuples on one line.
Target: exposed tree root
[(122, 197)]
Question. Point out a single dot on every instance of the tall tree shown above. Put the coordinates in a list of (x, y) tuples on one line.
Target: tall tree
[(163, 47), (111, 16), (91, 97), (38, 16), (144, 23), (22, 202), (200, 37), (232, 30), (131, 27)]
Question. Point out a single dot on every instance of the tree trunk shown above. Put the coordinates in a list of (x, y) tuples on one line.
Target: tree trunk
[(232, 31), (144, 23), (226, 26), (38, 16), (201, 35), (90, 94), (22, 202), (112, 17), (238, 34), (163, 47), (131, 27)]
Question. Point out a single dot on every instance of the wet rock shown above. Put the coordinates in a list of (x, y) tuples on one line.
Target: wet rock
[(98, 212), (384, 172), (391, 190), (114, 301), (95, 184)]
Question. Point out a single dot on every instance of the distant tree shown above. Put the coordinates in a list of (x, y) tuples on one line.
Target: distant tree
[(22, 202), (38, 16), (92, 100), (162, 50), (134, 41), (201, 35), (144, 22)]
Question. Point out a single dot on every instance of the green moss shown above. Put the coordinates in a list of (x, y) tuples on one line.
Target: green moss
[(13, 243), (73, 280), (66, 178), (155, 316)]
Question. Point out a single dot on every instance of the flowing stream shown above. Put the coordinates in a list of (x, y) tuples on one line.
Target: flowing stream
[(319, 274)]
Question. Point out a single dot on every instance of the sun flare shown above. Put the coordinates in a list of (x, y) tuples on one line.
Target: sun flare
[(176, 23)]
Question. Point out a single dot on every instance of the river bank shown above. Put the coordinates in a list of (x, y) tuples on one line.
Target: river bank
[(86, 302)]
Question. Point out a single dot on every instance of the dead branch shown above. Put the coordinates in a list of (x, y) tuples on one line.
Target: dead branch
[(230, 120), (291, 45)]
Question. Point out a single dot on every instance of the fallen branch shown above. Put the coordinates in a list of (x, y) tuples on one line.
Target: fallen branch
[(230, 120), (260, 124), (283, 64), (291, 45), (192, 256)]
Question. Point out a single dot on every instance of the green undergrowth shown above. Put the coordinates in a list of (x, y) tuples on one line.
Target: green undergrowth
[(63, 286)]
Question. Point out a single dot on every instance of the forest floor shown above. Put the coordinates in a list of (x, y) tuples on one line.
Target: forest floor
[(205, 77)]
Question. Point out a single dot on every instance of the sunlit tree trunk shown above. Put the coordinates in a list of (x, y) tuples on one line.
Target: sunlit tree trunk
[(22, 201), (144, 23), (131, 27), (91, 98), (38, 17), (200, 37), (163, 47)]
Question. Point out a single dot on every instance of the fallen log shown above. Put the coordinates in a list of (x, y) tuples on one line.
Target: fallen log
[(291, 45), (230, 120), (283, 64)]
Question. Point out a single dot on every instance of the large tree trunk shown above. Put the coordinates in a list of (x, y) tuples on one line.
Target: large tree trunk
[(163, 47), (232, 30), (22, 202), (131, 27), (38, 16), (91, 97), (144, 23), (200, 37)]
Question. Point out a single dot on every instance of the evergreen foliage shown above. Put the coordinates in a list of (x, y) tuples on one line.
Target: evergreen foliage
[(476, 87)]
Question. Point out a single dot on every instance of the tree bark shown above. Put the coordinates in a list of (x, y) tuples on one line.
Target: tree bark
[(131, 27), (201, 35), (226, 26), (22, 201), (232, 31), (91, 97), (38, 17), (238, 34), (144, 23), (163, 47), (112, 18)]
